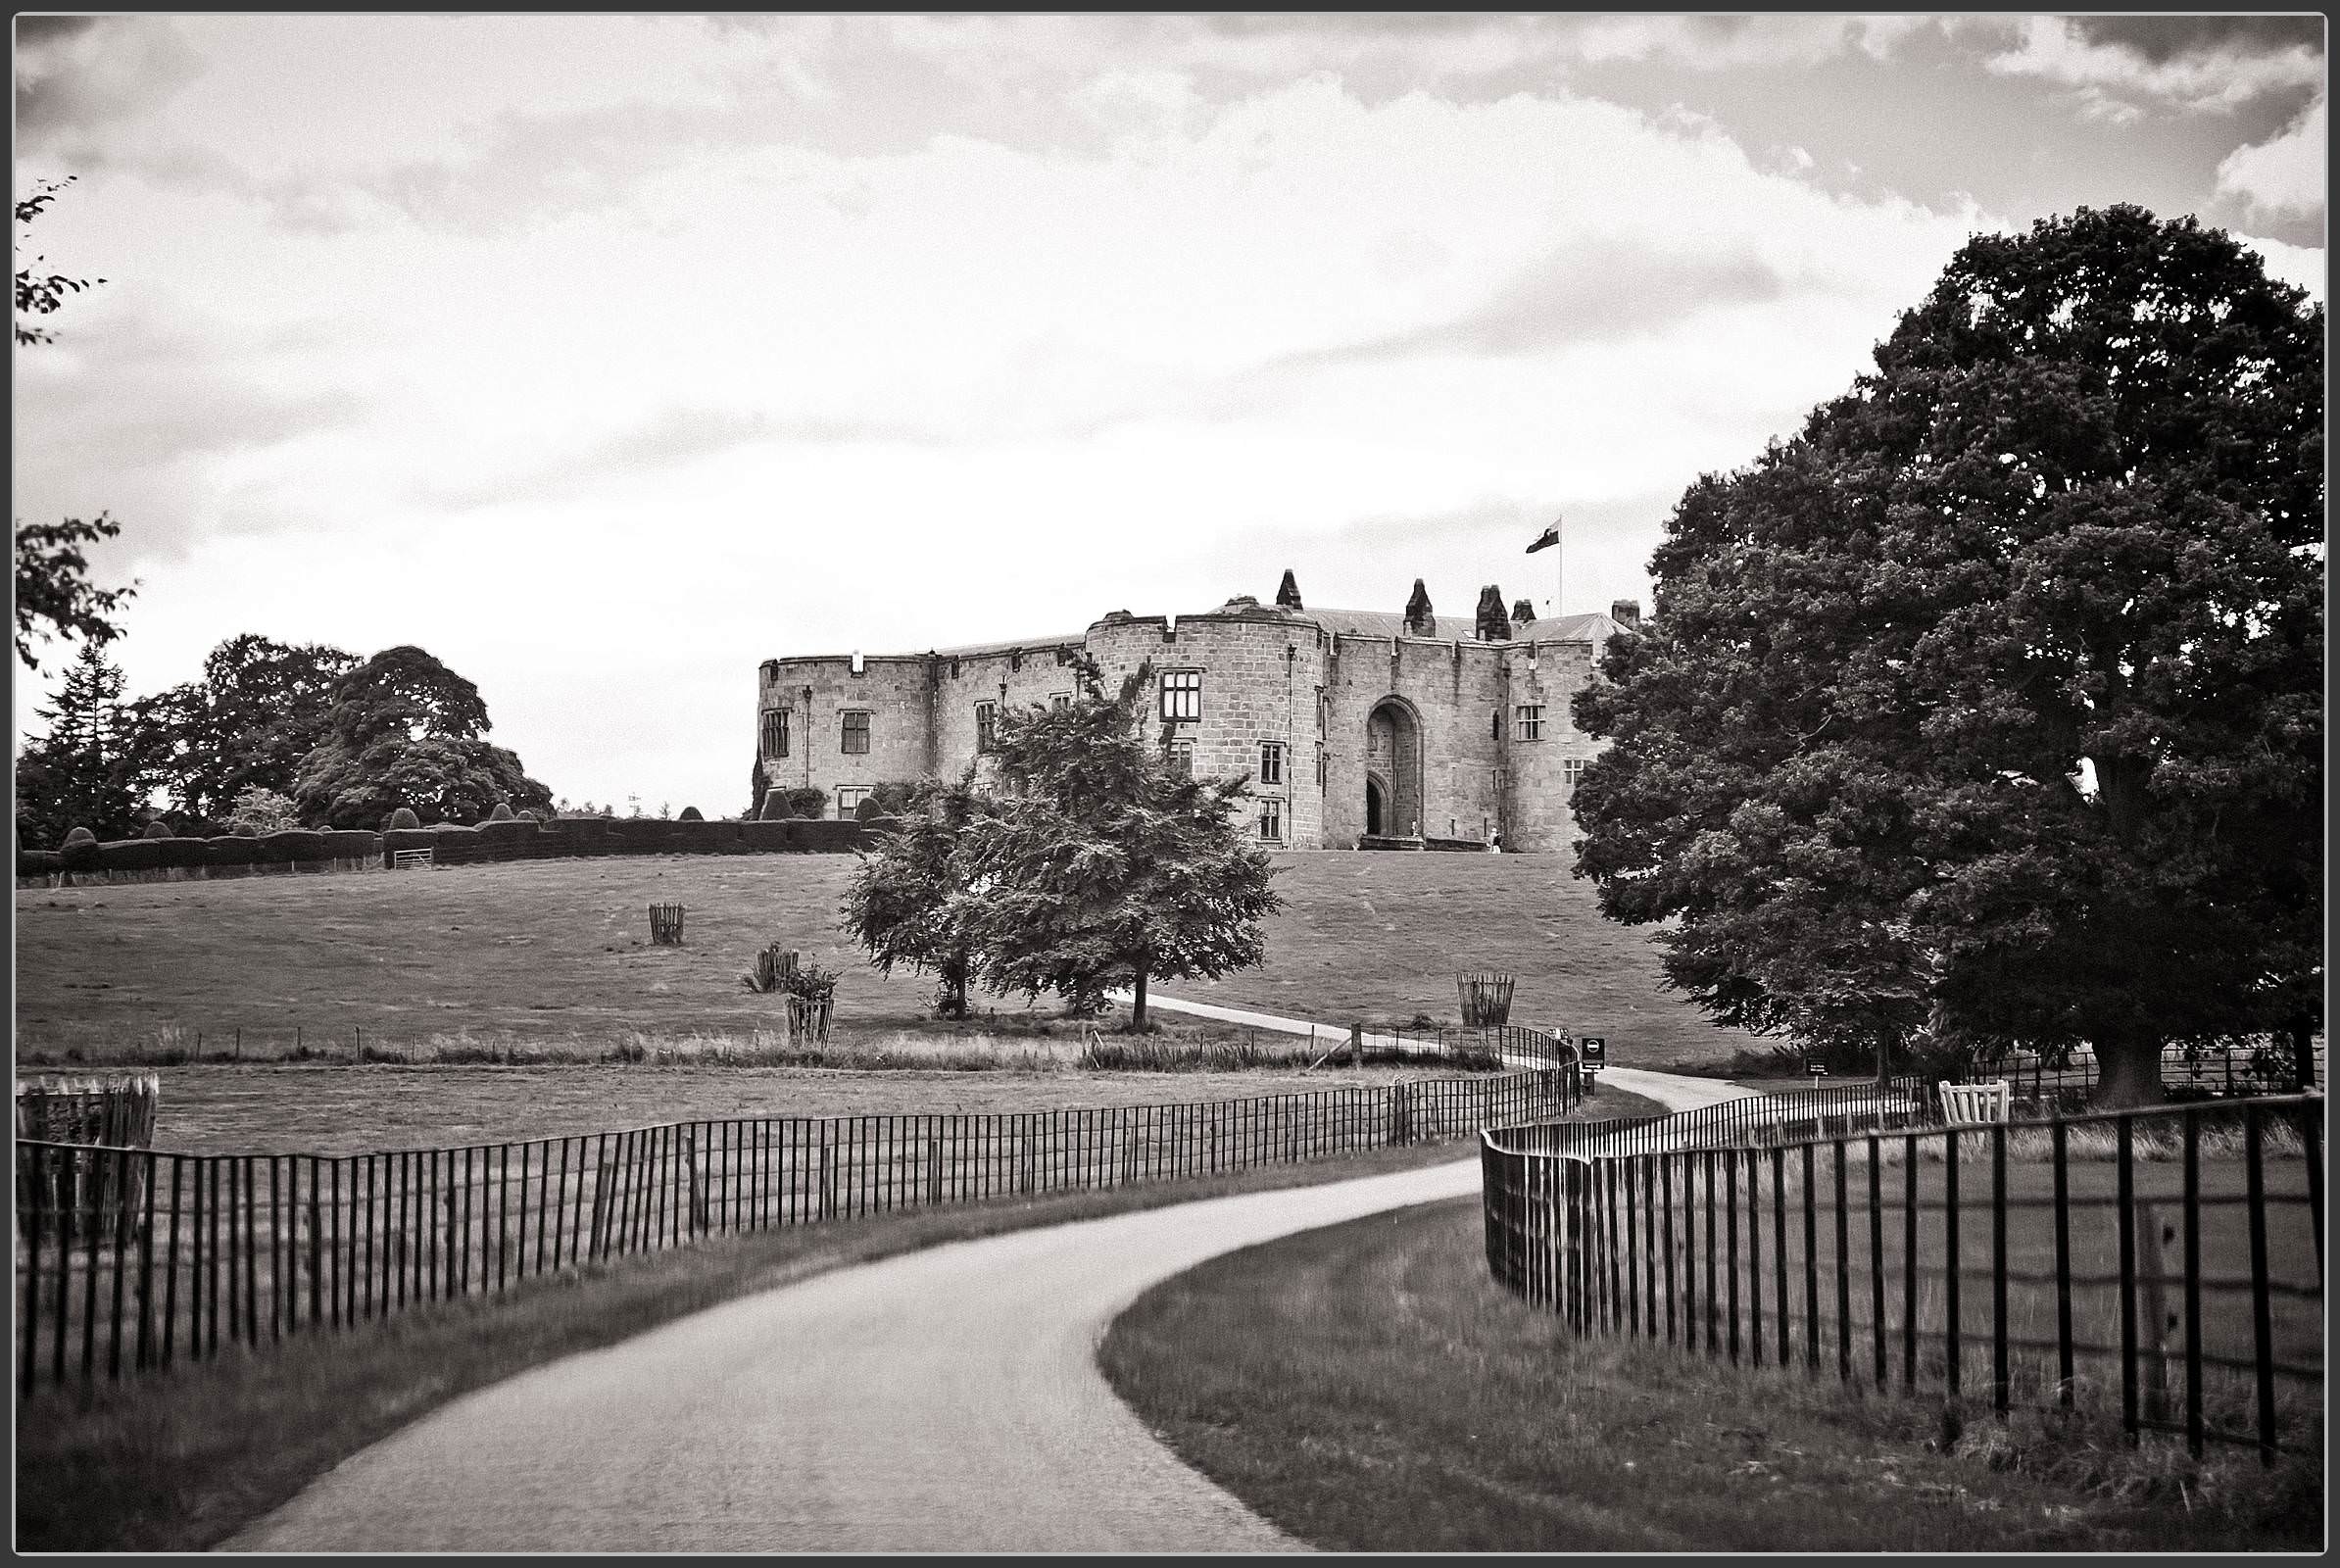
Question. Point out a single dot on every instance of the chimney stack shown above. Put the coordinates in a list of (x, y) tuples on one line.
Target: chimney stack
[(1523, 613), (1493, 625), (1419, 621), (1626, 613)]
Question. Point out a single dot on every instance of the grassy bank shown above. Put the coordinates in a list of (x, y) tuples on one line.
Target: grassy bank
[(1369, 1389), (554, 958)]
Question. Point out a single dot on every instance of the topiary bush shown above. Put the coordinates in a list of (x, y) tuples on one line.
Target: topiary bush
[(869, 810), (157, 829), (502, 812), (405, 816), (691, 813), (81, 835)]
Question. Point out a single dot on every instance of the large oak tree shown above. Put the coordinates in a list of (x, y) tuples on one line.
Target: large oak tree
[(1989, 708), (403, 730)]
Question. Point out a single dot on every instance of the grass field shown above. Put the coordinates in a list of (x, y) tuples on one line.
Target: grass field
[(557, 955), (1369, 1388), (351, 1111)]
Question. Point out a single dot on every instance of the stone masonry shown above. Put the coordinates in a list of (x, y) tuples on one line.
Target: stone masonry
[(1428, 728)]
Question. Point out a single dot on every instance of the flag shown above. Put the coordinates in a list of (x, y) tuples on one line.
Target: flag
[(1551, 536)]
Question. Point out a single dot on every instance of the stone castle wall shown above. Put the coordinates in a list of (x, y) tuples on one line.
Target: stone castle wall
[(1267, 676)]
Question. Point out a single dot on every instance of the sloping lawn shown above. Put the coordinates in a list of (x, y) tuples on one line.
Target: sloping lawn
[(557, 953)]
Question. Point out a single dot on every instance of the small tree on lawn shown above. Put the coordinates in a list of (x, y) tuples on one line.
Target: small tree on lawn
[(1102, 867), (899, 903)]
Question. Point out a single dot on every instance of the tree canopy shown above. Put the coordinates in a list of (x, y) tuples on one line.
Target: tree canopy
[(81, 773), (54, 597), (1103, 866), (900, 903), (1989, 708), (403, 730), (260, 709)]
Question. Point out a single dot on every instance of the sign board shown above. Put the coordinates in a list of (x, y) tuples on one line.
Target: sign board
[(1817, 1069), (1593, 1049)]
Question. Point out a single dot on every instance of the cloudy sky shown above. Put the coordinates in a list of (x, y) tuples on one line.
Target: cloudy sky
[(604, 356)]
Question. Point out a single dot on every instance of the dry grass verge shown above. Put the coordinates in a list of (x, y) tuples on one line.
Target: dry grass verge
[(1368, 1388)]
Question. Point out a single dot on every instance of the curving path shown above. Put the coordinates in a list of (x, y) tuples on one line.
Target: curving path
[(943, 1401)]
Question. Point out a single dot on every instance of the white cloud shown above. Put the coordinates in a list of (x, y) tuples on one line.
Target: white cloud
[(2119, 83), (607, 365), (2284, 177)]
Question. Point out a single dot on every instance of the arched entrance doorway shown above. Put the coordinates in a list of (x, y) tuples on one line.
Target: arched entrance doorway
[(1394, 769)]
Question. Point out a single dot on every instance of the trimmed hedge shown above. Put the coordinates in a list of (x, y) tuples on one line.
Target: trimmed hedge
[(130, 854), (515, 840), (183, 854), (351, 843), (292, 846)]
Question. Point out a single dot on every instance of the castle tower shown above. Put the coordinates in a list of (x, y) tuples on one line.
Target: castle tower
[(1288, 595)]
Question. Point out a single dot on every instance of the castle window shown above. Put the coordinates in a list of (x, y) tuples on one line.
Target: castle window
[(849, 800), (1571, 772), (1270, 821), (1182, 694), (1527, 722), (775, 732), (987, 733), (855, 736), (1182, 758), (1270, 761), (1320, 765), (1060, 700), (1324, 709), (1496, 733)]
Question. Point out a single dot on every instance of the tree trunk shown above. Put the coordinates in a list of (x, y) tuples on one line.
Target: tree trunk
[(1137, 1005), (2128, 1072), (954, 986)]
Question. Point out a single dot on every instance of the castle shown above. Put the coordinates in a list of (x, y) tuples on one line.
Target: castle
[(1357, 729)]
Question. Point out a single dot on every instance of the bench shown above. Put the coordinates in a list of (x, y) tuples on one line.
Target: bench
[(404, 859)]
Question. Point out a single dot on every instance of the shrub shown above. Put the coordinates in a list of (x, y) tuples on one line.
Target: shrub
[(157, 829), (265, 810), (691, 813), (81, 835), (405, 816), (245, 830), (502, 812), (869, 810)]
